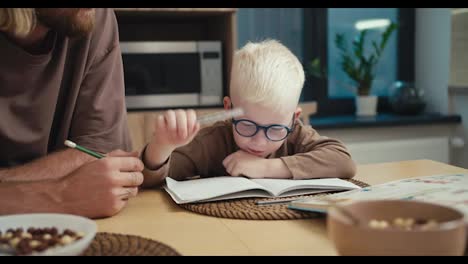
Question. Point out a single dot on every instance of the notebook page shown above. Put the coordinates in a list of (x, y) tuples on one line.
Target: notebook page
[(208, 188), (279, 186)]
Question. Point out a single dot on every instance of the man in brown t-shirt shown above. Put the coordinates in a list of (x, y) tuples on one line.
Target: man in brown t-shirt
[(61, 77)]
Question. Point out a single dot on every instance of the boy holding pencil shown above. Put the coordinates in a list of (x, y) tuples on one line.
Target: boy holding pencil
[(267, 141)]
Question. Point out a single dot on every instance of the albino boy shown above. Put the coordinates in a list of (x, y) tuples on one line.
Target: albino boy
[(268, 141)]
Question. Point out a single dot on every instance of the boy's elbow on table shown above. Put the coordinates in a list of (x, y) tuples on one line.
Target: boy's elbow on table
[(347, 169)]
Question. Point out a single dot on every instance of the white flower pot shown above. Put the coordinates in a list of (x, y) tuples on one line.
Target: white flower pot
[(366, 105)]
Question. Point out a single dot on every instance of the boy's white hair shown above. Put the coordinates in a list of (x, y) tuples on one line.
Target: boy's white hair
[(267, 73)]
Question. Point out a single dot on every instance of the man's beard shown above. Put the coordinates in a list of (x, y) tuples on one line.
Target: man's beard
[(68, 21)]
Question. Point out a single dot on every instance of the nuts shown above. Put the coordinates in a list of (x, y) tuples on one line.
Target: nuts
[(378, 224), (404, 224), (36, 239)]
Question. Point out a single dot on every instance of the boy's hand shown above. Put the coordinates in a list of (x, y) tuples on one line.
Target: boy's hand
[(172, 130), (241, 163), (176, 128)]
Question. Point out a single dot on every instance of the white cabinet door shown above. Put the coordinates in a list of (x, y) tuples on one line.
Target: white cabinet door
[(435, 148)]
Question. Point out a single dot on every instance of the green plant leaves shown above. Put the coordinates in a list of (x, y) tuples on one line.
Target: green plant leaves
[(359, 67), (316, 70)]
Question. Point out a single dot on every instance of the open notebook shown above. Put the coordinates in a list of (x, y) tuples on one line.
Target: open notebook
[(447, 189), (228, 187)]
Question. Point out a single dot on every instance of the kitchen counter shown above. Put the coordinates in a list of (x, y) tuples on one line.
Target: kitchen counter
[(383, 120)]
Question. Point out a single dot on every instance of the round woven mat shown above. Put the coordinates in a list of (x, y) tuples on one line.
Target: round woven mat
[(109, 244), (246, 208)]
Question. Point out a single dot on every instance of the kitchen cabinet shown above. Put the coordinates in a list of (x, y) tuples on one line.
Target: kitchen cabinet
[(458, 51), (397, 143)]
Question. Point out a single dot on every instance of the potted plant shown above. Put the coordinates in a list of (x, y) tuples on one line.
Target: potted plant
[(360, 65)]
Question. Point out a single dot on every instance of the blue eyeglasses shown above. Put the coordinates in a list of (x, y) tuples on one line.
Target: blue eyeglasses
[(275, 132)]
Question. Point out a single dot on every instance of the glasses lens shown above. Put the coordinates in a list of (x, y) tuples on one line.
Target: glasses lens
[(246, 128), (277, 133)]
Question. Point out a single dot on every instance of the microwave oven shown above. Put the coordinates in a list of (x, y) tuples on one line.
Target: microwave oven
[(169, 74)]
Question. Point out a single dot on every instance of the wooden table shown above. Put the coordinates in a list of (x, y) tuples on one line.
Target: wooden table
[(152, 214)]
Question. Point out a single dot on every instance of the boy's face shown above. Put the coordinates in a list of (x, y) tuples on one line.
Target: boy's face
[(258, 144)]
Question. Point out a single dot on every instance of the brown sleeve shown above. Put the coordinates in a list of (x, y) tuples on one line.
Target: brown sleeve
[(185, 161), (178, 166), (155, 178), (317, 156), (181, 164), (204, 155), (100, 119)]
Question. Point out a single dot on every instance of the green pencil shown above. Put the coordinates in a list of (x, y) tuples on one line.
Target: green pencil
[(73, 145)]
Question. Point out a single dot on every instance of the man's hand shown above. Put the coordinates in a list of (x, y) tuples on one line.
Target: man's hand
[(101, 188), (241, 163)]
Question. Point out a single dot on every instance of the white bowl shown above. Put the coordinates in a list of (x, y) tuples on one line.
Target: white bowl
[(59, 221)]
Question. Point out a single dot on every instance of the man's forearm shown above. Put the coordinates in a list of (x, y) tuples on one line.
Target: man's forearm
[(52, 166), (30, 197)]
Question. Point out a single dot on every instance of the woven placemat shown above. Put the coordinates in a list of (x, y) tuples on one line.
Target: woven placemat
[(247, 208), (110, 244)]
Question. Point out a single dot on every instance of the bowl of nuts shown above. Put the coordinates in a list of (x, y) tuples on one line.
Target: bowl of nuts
[(396, 227), (45, 234)]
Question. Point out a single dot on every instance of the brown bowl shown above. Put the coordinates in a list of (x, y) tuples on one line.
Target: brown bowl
[(447, 237)]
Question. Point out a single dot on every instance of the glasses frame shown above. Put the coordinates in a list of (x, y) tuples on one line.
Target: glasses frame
[(264, 128)]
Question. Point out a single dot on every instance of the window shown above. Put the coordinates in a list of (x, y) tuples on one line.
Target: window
[(397, 63), (350, 22), (283, 24)]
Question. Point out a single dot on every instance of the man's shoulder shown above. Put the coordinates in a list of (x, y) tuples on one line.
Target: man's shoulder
[(105, 20), (105, 31), (103, 37)]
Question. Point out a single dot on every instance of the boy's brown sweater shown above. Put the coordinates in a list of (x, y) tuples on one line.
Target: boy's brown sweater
[(305, 153)]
